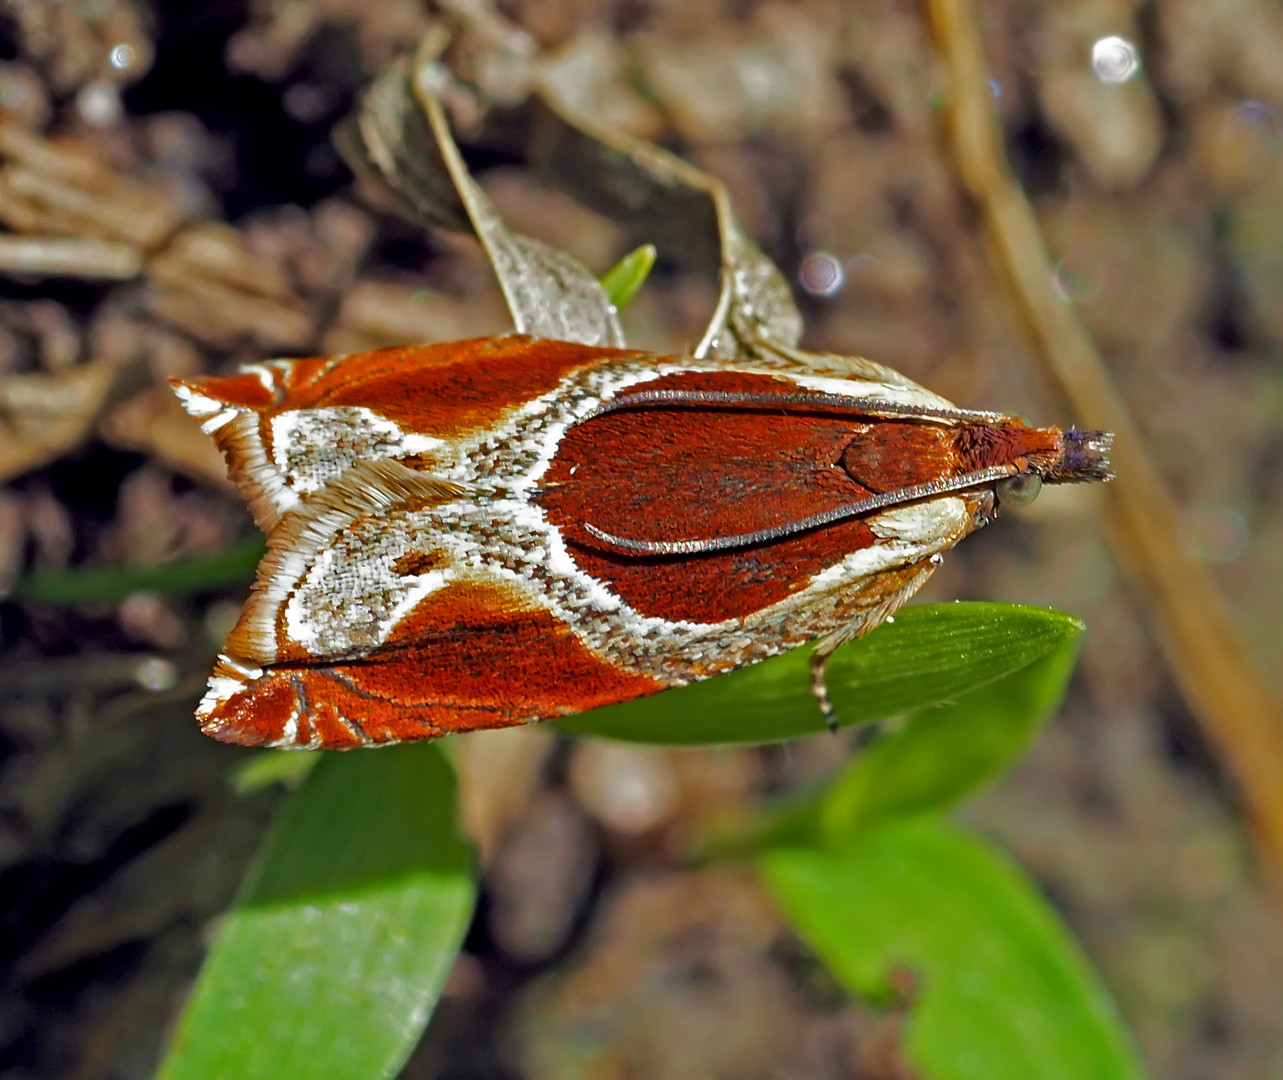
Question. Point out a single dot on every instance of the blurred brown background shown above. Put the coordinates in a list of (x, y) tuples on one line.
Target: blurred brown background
[(171, 204)]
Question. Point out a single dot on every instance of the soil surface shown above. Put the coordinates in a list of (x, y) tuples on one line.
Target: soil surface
[(217, 225)]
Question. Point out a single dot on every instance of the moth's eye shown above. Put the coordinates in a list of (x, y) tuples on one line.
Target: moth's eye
[(1019, 490)]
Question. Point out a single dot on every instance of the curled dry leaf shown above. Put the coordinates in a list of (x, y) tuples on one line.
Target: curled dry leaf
[(491, 56), (399, 142), (683, 211)]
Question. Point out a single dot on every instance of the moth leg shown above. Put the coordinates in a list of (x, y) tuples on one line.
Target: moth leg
[(824, 648)]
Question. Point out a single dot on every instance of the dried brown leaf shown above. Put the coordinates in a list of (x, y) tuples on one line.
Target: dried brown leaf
[(685, 212), (399, 142)]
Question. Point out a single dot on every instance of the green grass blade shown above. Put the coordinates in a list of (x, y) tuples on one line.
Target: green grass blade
[(332, 961), (233, 565), (262, 768), (624, 280), (928, 655), (1003, 991), (943, 753)]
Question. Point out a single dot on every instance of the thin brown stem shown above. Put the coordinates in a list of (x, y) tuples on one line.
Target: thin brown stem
[(1241, 713)]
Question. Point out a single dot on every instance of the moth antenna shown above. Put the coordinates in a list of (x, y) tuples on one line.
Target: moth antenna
[(805, 524), (729, 399)]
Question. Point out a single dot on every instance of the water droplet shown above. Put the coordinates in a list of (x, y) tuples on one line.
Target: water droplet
[(1114, 59), (1215, 534), (99, 104), (121, 57), (821, 274), (1077, 278), (995, 88), (155, 673)]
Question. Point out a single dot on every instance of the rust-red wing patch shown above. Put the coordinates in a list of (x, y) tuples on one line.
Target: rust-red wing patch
[(679, 472), (438, 390), (465, 658)]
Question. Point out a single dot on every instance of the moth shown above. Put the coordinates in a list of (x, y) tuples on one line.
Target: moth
[(495, 531)]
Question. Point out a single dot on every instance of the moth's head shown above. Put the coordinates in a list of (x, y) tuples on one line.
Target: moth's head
[(1032, 456)]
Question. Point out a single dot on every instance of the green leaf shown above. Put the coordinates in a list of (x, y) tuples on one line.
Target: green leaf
[(231, 566), (927, 655), (263, 768), (1003, 991), (624, 280), (332, 961), (943, 753)]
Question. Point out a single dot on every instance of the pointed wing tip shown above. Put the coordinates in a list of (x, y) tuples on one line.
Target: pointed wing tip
[(193, 397)]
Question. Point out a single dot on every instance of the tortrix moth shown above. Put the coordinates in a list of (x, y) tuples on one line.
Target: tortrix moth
[(489, 532)]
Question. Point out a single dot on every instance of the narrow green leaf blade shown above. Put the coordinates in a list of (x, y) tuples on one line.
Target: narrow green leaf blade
[(1003, 991), (180, 577), (332, 961), (929, 654), (624, 280), (263, 768), (942, 753)]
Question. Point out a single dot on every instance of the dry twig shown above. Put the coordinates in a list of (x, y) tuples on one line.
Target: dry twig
[(1239, 710)]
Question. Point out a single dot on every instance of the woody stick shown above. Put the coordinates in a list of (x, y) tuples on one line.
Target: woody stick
[(1241, 713)]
